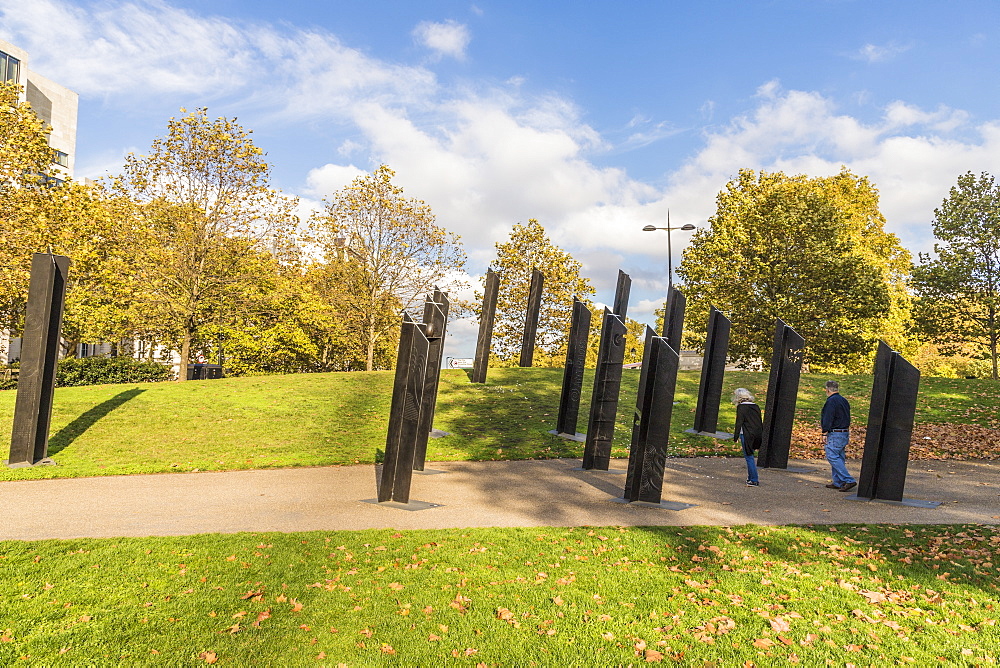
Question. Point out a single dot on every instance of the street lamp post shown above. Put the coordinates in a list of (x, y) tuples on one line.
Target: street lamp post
[(670, 256)]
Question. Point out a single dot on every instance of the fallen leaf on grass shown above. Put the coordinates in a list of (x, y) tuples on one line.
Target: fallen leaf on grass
[(433, 638), (874, 596), (763, 643), (780, 625), (396, 586), (261, 616), (653, 656), (208, 657)]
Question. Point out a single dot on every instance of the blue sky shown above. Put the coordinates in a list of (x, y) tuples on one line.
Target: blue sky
[(593, 117)]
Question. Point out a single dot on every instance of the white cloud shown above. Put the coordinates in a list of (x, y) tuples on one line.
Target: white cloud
[(445, 39), (324, 180), (874, 53), (488, 156)]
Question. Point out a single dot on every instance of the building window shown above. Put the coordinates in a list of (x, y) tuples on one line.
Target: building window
[(60, 158), (10, 68)]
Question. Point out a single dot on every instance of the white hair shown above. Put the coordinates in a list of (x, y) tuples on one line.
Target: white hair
[(741, 395)]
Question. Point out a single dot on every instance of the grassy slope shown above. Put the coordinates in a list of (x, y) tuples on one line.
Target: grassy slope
[(323, 419), (584, 596)]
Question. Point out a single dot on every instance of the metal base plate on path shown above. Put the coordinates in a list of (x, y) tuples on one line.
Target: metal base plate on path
[(787, 469), (721, 435), (662, 505), (437, 433), (578, 437), (412, 505), (611, 471), (910, 503), (428, 472), (21, 465)]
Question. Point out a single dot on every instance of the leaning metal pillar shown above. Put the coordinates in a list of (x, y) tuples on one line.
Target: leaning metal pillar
[(435, 324), (36, 382), (782, 392), (485, 337), (404, 413), (604, 401), (890, 427), (622, 290), (713, 367), (531, 318), (673, 319), (572, 387), (651, 423)]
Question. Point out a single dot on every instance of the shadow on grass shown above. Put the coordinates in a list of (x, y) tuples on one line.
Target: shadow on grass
[(74, 429)]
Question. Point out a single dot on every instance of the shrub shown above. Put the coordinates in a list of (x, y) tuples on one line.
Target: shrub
[(102, 370)]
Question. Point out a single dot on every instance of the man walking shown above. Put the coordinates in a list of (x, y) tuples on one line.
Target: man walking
[(836, 422)]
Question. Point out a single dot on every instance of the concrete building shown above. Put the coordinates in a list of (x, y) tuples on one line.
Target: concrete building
[(57, 106), (54, 104)]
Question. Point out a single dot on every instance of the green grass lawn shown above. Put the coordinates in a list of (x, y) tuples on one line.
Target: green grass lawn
[(836, 595), (325, 419)]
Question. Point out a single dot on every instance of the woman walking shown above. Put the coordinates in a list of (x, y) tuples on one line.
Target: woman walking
[(748, 431)]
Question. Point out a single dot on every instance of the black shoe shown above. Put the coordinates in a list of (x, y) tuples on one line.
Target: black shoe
[(751, 483), (833, 486), (848, 486)]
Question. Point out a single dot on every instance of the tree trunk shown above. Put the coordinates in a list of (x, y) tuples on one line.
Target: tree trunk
[(993, 354), (370, 359), (182, 374)]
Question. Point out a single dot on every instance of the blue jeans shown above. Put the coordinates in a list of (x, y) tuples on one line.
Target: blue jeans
[(751, 465), (835, 447)]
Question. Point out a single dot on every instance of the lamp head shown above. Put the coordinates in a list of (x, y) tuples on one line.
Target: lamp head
[(649, 228), (688, 227)]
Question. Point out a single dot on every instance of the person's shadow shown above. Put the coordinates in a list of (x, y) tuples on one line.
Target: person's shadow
[(70, 432)]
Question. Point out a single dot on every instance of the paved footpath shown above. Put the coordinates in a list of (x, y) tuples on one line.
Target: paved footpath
[(476, 494)]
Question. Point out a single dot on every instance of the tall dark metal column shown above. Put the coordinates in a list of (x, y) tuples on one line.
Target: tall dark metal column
[(890, 427), (622, 290), (651, 423), (435, 325), (576, 358), (485, 338), (713, 367), (782, 392), (673, 318), (531, 318), (607, 385), (404, 414), (29, 443)]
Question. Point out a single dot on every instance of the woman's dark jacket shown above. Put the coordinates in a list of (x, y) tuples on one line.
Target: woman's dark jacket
[(749, 422)]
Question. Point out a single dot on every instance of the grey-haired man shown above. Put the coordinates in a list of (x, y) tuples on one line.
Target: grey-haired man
[(836, 423)]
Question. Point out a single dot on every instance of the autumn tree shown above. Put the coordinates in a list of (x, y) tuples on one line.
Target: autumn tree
[(812, 251), (206, 198), (39, 215), (333, 285), (958, 287), (24, 155), (529, 248), (389, 251)]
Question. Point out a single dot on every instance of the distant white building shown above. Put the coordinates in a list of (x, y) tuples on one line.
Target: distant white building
[(57, 106)]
